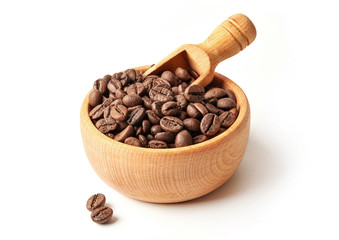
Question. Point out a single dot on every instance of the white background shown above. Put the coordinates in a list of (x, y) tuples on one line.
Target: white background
[(52, 51)]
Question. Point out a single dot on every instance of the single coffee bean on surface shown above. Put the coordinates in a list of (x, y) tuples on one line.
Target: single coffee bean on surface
[(182, 74), (102, 214), (96, 201)]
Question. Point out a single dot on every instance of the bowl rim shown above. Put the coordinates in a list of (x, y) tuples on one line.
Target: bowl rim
[(242, 106)]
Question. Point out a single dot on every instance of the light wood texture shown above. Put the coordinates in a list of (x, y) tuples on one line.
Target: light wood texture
[(229, 38), (169, 175)]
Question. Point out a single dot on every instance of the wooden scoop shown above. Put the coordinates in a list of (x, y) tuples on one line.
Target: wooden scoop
[(229, 38)]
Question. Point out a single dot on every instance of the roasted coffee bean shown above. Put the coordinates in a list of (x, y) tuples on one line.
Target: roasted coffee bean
[(146, 126), (148, 82), (155, 129), (199, 139), (211, 108), (95, 201), (147, 102), (149, 137), (183, 138), (119, 94), (164, 136), (228, 118), (132, 100), (170, 77), (136, 88), (171, 124), (117, 102), (137, 116), (192, 111), (121, 126), (182, 102), (156, 108), (97, 112), (182, 115), (138, 130), (210, 124), (133, 141), (194, 93), (134, 75), (102, 214), (143, 140), (192, 124), (127, 132), (106, 125), (161, 94), (201, 108), (152, 117), (119, 112), (226, 103), (161, 82), (100, 85), (193, 73), (182, 87), (114, 85), (95, 98), (175, 90), (215, 93), (131, 109), (107, 78), (125, 79), (157, 144), (170, 108), (182, 74)]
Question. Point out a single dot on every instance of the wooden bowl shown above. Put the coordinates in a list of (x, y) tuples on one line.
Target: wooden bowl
[(169, 175)]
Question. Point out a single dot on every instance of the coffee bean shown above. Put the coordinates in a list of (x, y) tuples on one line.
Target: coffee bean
[(102, 214), (170, 77), (137, 116), (147, 102), (132, 100), (155, 129), (171, 124), (100, 85), (210, 124), (146, 126), (211, 108), (138, 130), (226, 103), (149, 137), (182, 102), (161, 94), (192, 124), (133, 141), (131, 109), (192, 111), (95, 201), (193, 73), (152, 117), (215, 93), (143, 140), (114, 85), (127, 132), (117, 102), (175, 90), (194, 93), (164, 136), (95, 98), (199, 139), (228, 118), (182, 74), (121, 126), (170, 108), (156, 108), (107, 78), (106, 125), (182, 87), (161, 82), (182, 115), (201, 108), (148, 82), (98, 111), (183, 138), (119, 94), (136, 88), (119, 112), (157, 144)]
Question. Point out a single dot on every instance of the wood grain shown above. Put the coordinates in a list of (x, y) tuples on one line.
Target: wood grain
[(168, 175), (228, 39)]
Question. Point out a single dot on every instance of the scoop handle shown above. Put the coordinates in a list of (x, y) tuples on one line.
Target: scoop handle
[(229, 38)]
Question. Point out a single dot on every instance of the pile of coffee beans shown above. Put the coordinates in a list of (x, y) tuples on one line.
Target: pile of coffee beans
[(100, 212), (163, 111)]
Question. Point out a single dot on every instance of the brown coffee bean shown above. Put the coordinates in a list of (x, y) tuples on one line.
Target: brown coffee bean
[(170, 77), (164, 136), (133, 141), (95, 98), (136, 88), (210, 124), (182, 115), (100, 85), (102, 214), (155, 129), (182, 87), (215, 93), (114, 85), (183, 138), (98, 111), (119, 112), (127, 132), (228, 118), (170, 108), (161, 94), (132, 100), (148, 82), (131, 109), (175, 90), (211, 108), (201, 108), (182, 74), (192, 111), (199, 139), (137, 116), (117, 102), (194, 93), (149, 137), (143, 140), (161, 82), (171, 124), (106, 125), (156, 108), (146, 126), (226, 103), (152, 117), (121, 126), (138, 130), (119, 94), (192, 124), (157, 144), (107, 78), (193, 73), (95, 201), (182, 102), (147, 102)]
